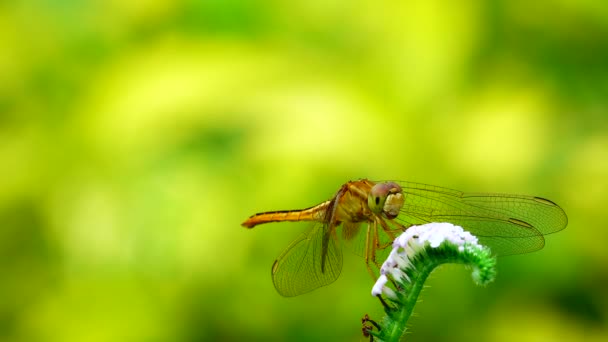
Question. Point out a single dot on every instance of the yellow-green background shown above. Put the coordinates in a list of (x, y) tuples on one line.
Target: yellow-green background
[(136, 136)]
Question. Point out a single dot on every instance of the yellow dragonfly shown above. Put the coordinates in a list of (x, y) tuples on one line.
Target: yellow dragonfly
[(369, 215)]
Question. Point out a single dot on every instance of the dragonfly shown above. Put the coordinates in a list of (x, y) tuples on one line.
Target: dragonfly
[(367, 216)]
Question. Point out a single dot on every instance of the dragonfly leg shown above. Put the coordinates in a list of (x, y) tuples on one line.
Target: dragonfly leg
[(377, 246), (377, 237), (370, 251), (392, 233)]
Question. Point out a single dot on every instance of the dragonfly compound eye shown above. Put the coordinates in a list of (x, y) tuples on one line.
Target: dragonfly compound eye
[(386, 198), (376, 198)]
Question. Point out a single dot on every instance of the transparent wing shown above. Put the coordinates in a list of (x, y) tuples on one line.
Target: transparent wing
[(509, 224), (311, 261), (354, 236)]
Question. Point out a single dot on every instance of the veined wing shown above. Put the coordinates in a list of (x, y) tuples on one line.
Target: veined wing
[(355, 237), (509, 224), (311, 261)]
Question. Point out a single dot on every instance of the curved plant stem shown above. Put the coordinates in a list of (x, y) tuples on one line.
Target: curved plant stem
[(402, 299)]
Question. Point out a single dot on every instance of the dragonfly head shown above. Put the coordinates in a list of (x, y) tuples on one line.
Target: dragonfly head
[(386, 198)]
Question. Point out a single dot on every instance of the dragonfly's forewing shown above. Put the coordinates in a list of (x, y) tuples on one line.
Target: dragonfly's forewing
[(508, 224), (300, 268)]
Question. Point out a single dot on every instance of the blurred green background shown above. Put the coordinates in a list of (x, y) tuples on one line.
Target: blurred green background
[(136, 136)]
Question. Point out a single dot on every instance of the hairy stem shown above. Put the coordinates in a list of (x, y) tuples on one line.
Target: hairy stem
[(403, 298)]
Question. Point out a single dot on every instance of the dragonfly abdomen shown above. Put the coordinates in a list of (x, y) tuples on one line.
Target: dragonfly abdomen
[(316, 213)]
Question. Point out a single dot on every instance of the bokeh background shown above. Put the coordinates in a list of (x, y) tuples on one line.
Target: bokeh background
[(136, 136)]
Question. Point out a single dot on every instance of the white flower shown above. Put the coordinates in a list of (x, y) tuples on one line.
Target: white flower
[(377, 289), (398, 274), (411, 242)]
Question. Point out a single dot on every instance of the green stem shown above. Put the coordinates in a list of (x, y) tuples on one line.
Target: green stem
[(402, 316), (393, 326)]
